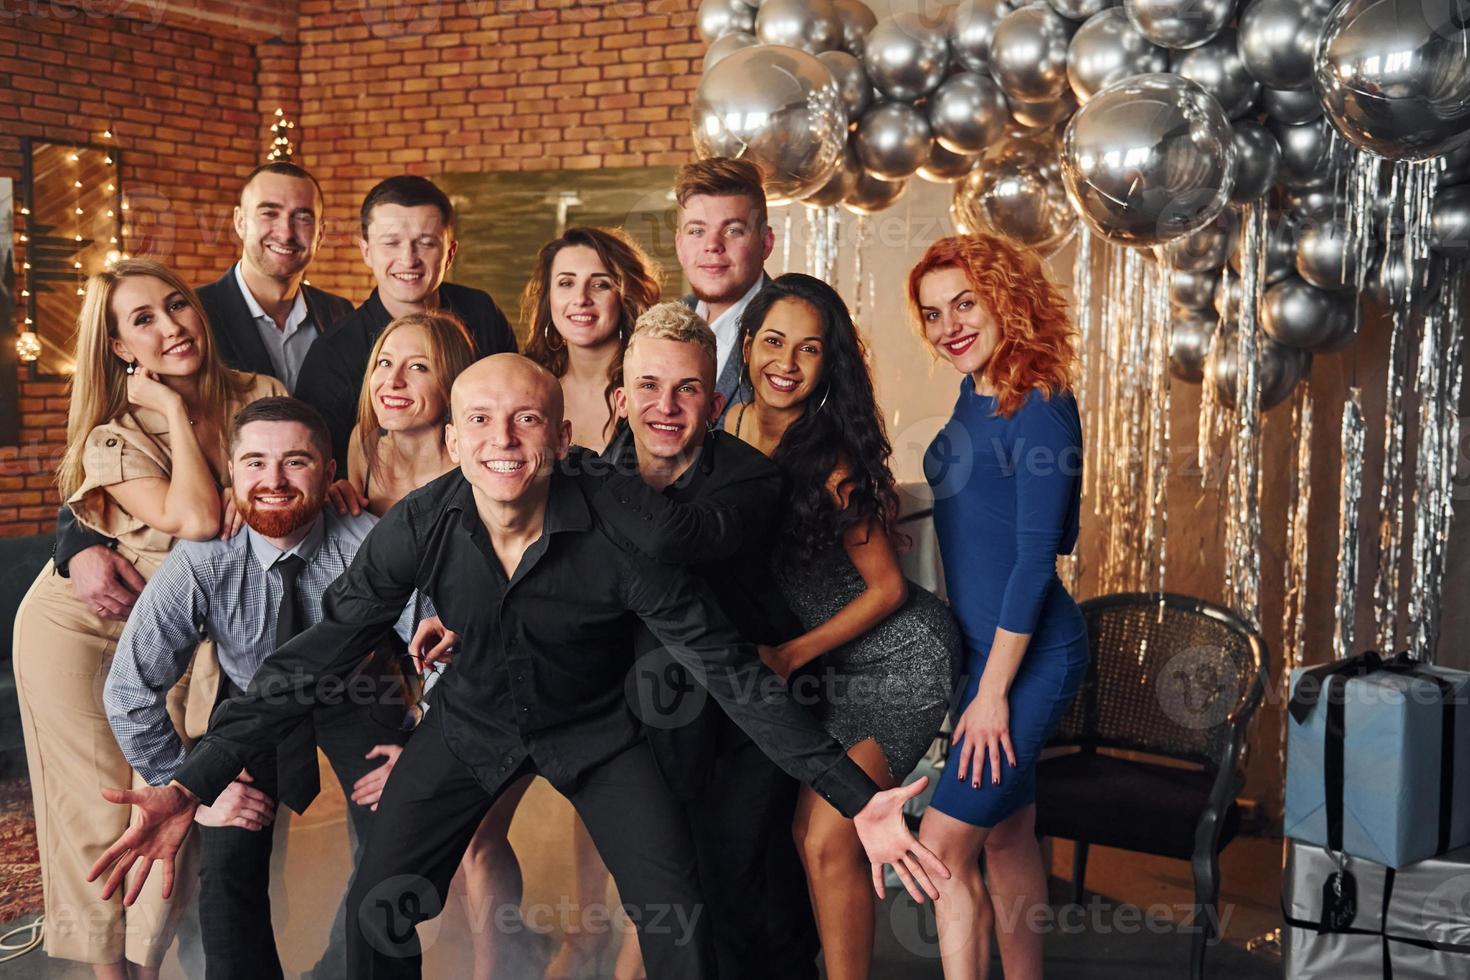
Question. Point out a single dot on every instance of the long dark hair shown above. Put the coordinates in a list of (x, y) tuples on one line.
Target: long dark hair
[(840, 427)]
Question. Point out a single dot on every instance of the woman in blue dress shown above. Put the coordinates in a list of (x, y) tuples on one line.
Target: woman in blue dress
[(1007, 475)]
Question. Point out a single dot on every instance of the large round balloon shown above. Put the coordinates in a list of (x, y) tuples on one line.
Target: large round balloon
[(1179, 23), (852, 81), (1028, 55), (840, 184), (1193, 290), (1218, 68), (870, 195), (1305, 152), (1394, 284), (1326, 257), (971, 29), (777, 107), (1278, 40), (1257, 159), (1292, 106), (1455, 167), (1015, 191), (857, 19), (1298, 314), (906, 56), (892, 140), (716, 18), (945, 167), (1189, 342), (968, 112), (1450, 227), (1394, 75), (1106, 48), (1044, 114), (1280, 368), (727, 45), (1203, 250), (810, 25), (1149, 159)]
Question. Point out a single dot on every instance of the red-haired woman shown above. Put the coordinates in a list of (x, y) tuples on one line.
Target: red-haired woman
[(1007, 475)]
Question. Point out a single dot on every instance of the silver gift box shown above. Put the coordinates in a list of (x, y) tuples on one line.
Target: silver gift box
[(1423, 933)]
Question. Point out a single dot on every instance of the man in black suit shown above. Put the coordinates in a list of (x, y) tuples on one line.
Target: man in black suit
[(263, 315), (408, 242)]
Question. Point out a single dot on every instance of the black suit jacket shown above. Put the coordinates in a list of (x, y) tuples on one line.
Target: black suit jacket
[(234, 331), (332, 376), (718, 518)]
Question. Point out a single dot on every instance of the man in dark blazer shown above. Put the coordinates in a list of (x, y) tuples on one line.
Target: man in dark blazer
[(408, 242)]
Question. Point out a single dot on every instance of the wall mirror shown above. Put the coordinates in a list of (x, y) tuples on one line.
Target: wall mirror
[(70, 228)]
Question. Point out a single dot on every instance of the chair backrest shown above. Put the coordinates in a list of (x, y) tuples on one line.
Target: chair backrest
[(1169, 675)]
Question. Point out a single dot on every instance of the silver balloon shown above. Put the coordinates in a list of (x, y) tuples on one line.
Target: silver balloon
[(1015, 191), (1326, 256), (1106, 48), (1281, 367), (1257, 160), (1080, 10), (852, 81), (1229, 295), (1454, 167), (945, 167), (1280, 257), (716, 18), (841, 183), (1292, 106), (1203, 250), (1028, 55), (1313, 202), (971, 30), (1393, 284), (857, 19), (892, 140), (1044, 114), (1393, 75), (1218, 68), (1189, 342), (1450, 228), (777, 107), (1179, 23), (1298, 314), (726, 46), (869, 194), (968, 112), (1149, 159), (1193, 290), (1278, 39), (810, 25), (1305, 152), (906, 56)]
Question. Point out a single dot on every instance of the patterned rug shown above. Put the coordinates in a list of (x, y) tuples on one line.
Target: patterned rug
[(20, 865)]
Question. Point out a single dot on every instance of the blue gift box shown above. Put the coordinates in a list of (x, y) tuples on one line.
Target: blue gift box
[(1378, 759)]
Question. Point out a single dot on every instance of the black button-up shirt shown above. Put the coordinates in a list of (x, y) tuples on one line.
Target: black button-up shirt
[(545, 656)]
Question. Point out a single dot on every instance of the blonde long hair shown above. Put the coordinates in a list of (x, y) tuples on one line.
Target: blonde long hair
[(99, 389)]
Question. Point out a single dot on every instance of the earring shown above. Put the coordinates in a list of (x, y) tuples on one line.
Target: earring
[(132, 368), (549, 344), (825, 392)]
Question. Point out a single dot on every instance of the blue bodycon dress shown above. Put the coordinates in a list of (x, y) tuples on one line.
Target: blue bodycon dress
[(1007, 492)]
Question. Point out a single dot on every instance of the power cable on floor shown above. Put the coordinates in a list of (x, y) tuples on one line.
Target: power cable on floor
[(32, 933)]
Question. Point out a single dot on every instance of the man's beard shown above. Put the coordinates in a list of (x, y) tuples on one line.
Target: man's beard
[(278, 522)]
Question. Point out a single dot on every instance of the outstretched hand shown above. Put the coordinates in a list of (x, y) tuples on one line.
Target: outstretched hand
[(888, 840), (162, 817)]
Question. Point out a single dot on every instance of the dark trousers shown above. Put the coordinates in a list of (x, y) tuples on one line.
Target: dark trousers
[(430, 810), (234, 871), (752, 877)]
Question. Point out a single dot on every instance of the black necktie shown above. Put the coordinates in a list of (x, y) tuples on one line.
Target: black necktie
[(298, 781)]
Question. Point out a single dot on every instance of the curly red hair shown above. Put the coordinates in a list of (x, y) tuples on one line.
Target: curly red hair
[(1037, 345)]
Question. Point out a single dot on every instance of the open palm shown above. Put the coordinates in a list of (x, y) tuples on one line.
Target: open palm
[(162, 816)]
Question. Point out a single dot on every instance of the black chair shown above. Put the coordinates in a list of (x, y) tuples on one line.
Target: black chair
[(1175, 679)]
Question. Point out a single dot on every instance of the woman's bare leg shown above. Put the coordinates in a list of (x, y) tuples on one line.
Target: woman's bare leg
[(963, 913), (1017, 889), (492, 877)]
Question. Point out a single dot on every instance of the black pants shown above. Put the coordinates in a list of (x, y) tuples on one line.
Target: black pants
[(234, 868), (759, 909), (430, 810)]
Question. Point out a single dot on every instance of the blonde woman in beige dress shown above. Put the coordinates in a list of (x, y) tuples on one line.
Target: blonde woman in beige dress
[(145, 460)]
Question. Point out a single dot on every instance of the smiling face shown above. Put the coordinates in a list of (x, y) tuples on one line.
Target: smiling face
[(279, 224), (956, 322), (407, 393), (409, 249), (508, 428), (157, 328), (585, 306), (668, 397), (786, 355), (722, 246), (279, 477)]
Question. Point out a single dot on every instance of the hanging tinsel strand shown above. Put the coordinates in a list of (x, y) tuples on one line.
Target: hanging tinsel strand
[(1349, 499)]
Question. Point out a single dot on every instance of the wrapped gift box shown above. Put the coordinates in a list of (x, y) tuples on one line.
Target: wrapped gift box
[(1409, 924), (1378, 759)]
